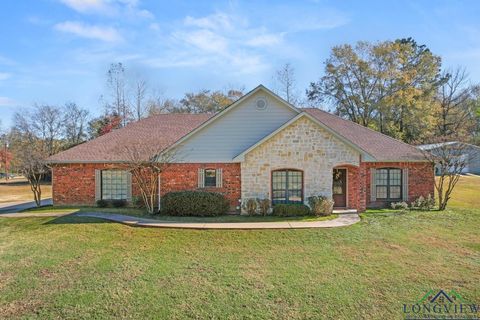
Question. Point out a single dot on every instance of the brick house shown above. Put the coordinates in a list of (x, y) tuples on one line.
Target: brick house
[(259, 147)]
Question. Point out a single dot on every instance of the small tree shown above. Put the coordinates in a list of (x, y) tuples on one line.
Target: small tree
[(146, 164), (31, 163), (449, 158)]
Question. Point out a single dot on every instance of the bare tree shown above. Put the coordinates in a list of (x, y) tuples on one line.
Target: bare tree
[(116, 82), (285, 83), (30, 160), (449, 159), (45, 122), (139, 97), (75, 122), (146, 171), (456, 103)]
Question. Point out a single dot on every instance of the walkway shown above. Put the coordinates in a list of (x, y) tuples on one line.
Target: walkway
[(345, 218), (16, 206)]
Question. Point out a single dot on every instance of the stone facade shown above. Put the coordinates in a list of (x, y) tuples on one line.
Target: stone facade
[(303, 145)]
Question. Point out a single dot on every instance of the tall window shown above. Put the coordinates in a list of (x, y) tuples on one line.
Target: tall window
[(114, 184), (389, 184), (210, 178), (287, 186)]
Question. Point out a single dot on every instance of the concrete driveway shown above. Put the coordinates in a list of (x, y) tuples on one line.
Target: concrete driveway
[(12, 207)]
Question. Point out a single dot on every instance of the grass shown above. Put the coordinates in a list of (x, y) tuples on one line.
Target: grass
[(86, 268), (18, 189), (142, 214), (466, 193)]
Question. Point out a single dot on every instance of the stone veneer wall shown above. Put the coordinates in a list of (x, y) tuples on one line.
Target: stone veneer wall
[(303, 145)]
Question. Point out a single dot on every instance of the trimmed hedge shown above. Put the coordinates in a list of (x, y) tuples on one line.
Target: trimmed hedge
[(291, 210), (194, 203)]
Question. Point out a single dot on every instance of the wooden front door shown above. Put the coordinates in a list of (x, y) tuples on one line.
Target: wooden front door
[(339, 187)]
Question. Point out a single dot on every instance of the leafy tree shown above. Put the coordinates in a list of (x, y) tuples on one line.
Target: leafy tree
[(206, 101), (387, 86), (103, 125)]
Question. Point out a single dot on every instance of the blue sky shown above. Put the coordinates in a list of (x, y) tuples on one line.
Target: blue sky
[(53, 51)]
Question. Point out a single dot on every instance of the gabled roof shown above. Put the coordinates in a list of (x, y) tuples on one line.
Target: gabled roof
[(166, 131), (380, 146), (153, 133), (365, 154)]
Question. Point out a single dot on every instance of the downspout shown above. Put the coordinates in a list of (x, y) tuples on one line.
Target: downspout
[(159, 178)]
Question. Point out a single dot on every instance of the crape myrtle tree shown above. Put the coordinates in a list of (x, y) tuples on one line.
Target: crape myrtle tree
[(449, 159), (146, 163)]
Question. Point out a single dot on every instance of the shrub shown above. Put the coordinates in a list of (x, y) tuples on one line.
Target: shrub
[(102, 203), (264, 206), (422, 203), (320, 205), (399, 205), (290, 210), (118, 203), (251, 206), (137, 202), (194, 203)]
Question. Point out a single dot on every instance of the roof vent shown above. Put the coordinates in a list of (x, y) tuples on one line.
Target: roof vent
[(261, 103)]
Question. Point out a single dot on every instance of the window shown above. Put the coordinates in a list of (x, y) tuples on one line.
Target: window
[(210, 178), (114, 184), (389, 184), (287, 186)]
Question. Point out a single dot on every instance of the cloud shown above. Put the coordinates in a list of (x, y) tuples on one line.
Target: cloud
[(107, 34), (5, 102), (84, 6), (128, 8), (4, 76), (265, 40)]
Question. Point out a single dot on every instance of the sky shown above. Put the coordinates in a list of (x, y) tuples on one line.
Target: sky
[(58, 51)]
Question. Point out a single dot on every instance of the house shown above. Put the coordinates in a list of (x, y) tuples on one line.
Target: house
[(258, 147), (468, 154)]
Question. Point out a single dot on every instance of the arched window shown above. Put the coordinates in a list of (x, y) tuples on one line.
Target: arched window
[(287, 186), (388, 183)]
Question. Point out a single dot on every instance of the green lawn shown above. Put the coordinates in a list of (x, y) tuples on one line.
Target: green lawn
[(86, 268)]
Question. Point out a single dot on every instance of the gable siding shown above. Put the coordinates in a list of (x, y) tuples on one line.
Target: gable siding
[(235, 131)]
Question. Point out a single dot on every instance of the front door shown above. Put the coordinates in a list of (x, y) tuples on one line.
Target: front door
[(340, 187)]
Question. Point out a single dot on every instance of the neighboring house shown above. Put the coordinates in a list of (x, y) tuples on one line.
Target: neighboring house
[(468, 153), (258, 147)]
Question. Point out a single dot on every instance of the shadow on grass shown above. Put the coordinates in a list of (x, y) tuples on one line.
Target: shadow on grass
[(74, 219)]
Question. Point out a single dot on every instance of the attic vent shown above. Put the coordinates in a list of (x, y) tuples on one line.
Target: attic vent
[(261, 103)]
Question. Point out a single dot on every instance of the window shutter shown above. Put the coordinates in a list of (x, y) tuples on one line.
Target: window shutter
[(201, 178), (98, 184), (373, 185), (129, 186), (219, 176), (405, 184)]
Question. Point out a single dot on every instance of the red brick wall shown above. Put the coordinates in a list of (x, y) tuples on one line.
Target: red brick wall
[(184, 176), (74, 184), (421, 179)]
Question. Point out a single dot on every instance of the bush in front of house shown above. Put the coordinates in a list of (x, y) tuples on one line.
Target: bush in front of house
[(320, 205), (102, 203), (291, 210), (264, 206), (119, 203), (250, 206), (399, 205), (137, 202), (423, 203), (194, 203)]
